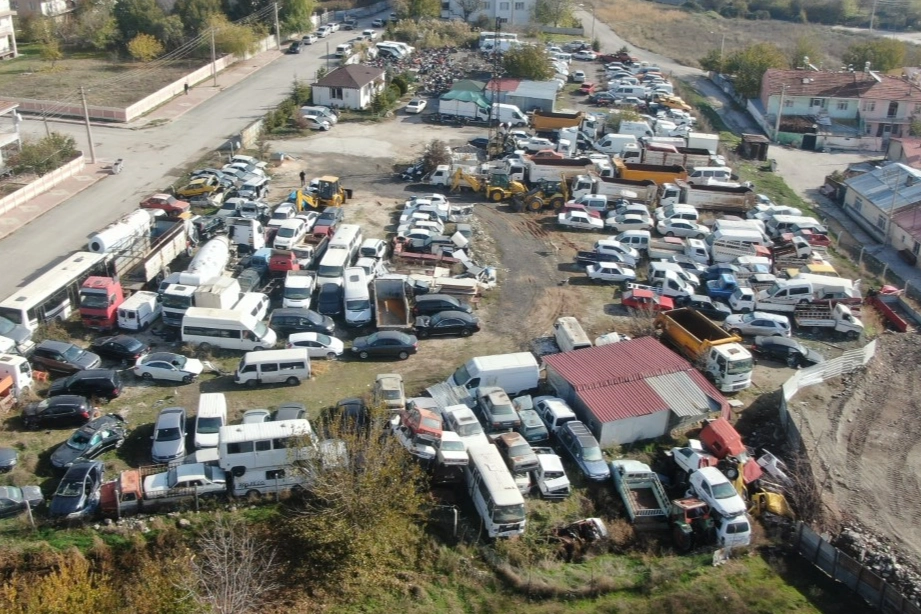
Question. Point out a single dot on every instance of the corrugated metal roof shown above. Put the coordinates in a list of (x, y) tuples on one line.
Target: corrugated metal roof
[(890, 187), (622, 401), (681, 394), (543, 90)]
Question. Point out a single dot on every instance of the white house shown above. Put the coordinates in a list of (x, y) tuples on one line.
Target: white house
[(10, 138), (7, 34), (55, 9), (349, 87), (876, 200), (507, 11)]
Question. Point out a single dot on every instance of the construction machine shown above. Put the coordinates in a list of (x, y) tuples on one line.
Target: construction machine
[(547, 194), (691, 524), (497, 188), (330, 193)]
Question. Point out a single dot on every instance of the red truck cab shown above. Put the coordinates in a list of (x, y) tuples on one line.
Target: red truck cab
[(100, 298), (724, 441), (122, 495), (281, 261)]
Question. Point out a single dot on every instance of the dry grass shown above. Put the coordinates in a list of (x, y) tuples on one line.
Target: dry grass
[(686, 36)]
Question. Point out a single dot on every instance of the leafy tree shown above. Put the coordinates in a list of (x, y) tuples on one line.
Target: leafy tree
[(138, 17), (626, 115), (37, 29), (436, 153), (300, 93), (94, 24), (45, 155), (749, 65), (170, 31), (553, 12), (596, 45), (711, 61), (295, 15), (805, 47), (882, 53), (232, 38), (72, 585), (468, 8), (51, 51), (914, 129), (195, 13), (420, 9), (144, 47), (527, 62)]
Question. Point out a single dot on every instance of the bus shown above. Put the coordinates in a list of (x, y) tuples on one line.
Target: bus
[(494, 493), (489, 40), (55, 294)]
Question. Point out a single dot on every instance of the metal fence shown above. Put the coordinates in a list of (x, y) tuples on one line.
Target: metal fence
[(853, 574)]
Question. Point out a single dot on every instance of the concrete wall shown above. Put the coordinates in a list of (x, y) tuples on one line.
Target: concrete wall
[(42, 184)]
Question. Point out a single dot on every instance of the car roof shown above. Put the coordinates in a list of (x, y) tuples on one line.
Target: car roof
[(170, 415), (55, 345), (78, 471), (712, 475), (512, 438), (161, 356), (792, 343), (66, 399)]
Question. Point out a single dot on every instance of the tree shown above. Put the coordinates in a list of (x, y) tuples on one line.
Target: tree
[(749, 65), (468, 8), (72, 585), (195, 13), (805, 47), (711, 62), (51, 51), (436, 153), (420, 9), (295, 15), (882, 53), (527, 62), (232, 38), (144, 47), (94, 25), (45, 155), (553, 12), (138, 17)]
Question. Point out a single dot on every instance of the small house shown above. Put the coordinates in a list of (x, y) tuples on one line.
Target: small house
[(349, 87)]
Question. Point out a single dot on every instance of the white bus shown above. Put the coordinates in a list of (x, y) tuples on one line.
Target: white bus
[(489, 40), (55, 294), (225, 328), (494, 492)]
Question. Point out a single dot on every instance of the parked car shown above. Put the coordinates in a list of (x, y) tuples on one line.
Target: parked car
[(378, 23), (289, 320), (446, 323), (63, 357), (119, 347), (89, 441), (415, 106), (165, 202), (256, 416), (169, 435), (786, 350), (318, 345), (385, 344), (295, 47), (758, 323), (610, 272), (200, 186), (602, 98), (328, 220), (14, 500), (586, 55), (315, 123), (480, 142), (620, 223), (430, 304), (168, 367), (715, 310), (575, 438), (532, 427), (388, 391), (91, 383), (78, 493), (517, 452), (8, 459), (682, 228), (646, 301), (290, 411), (56, 412), (329, 299), (717, 491), (308, 39), (496, 409)]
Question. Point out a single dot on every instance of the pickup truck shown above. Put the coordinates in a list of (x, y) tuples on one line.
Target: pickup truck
[(418, 430), (639, 488), (819, 317), (157, 486), (579, 220), (721, 289), (549, 479)]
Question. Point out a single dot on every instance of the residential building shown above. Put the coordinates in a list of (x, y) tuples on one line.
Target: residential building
[(507, 11), (875, 199), (10, 138), (7, 32), (905, 150), (57, 9), (349, 87), (633, 390)]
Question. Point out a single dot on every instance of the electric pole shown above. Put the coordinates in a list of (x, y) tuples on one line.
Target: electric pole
[(45, 120), (277, 29), (213, 59), (783, 95), (89, 131)]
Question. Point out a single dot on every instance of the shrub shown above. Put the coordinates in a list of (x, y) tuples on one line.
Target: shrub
[(43, 156)]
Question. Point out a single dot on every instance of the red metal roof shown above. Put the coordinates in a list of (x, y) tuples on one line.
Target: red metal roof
[(502, 85)]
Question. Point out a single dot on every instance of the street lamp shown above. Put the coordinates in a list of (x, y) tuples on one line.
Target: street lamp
[(591, 6)]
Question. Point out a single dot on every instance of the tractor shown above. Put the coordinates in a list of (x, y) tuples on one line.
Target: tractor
[(691, 524), (547, 194), (330, 193)]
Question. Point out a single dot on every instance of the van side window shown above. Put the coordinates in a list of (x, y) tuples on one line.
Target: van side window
[(275, 474), (264, 445), (249, 369), (270, 367), (291, 366), (241, 447)]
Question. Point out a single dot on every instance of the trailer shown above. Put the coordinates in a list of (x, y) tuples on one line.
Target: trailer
[(680, 156), (645, 501), (534, 170), (728, 199), (652, 172), (544, 120), (889, 304), (391, 299), (644, 190)]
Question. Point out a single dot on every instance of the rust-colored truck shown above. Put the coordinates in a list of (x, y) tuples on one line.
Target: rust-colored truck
[(157, 486)]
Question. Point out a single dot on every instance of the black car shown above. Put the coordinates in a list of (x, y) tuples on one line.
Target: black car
[(102, 383), (331, 216), (65, 410), (290, 411), (208, 226), (430, 304), (78, 493), (329, 299), (63, 357), (295, 47), (120, 347), (8, 459), (90, 440), (786, 350), (480, 142), (447, 323), (14, 500), (385, 344), (287, 320), (715, 310)]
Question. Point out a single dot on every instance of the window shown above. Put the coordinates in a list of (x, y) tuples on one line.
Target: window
[(336, 93), (917, 108), (519, 6), (916, 248), (893, 109), (881, 222), (869, 106), (503, 6), (264, 445), (270, 367), (788, 103), (446, 6), (817, 102), (485, 5), (843, 105), (858, 204), (292, 366), (275, 474), (240, 447)]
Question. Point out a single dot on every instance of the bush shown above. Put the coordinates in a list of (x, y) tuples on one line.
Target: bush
[(401, 83), (43, 156)]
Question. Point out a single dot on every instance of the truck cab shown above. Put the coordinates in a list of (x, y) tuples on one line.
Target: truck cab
[(99, 301)]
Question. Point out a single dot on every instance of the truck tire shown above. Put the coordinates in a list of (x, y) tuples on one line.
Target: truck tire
[(252, 383), (852, 335), (495, 196), (535, 204), (556, 203), (253, 495)]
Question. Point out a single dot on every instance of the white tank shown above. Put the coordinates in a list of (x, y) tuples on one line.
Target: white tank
[(122, 233), (208, 263)]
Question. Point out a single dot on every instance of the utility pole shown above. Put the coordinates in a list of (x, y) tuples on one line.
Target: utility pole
[(213, 59), (89, 131), (277, 29), (873, 14), (45, 120), (783, 93)]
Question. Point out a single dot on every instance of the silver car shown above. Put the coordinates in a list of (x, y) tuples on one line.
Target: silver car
[(758, 323), (169, 435)]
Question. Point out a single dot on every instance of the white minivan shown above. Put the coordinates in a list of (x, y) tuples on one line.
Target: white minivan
[(289, 366), (569, 335), (225, 328), (212, 415), (357, 298), (332, 267), (701, 175), (138, 311)]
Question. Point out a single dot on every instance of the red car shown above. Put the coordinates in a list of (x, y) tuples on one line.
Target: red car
[(172, 205), (641, 299), (587, 88)]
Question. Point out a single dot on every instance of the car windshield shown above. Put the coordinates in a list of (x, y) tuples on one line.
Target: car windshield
[(69, 488), (737, 527), (93, 300), (329, 270), (358, 305), (552, 475), (502, 409), (467, 430), (504, 514), (286, 233), (261, 330), (738, 367), (724, 490), (431, 423), (592, 454), (6, 326), (452, 446), (73, 353), (393, 395), (79, 441), (519, 450), (209, 426), (168, 434), (298, 294), (177, 302), (424, 440)]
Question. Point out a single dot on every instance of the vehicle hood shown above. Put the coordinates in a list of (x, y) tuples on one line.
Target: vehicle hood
[(19, 334), (193, 366), (156, 483), (814, 357), (527, 462), (165, 450), (597, 470), (65, 506), (556, 484), (730, 507), (453, 457), (206, 440), (65, 456), (87, 360)]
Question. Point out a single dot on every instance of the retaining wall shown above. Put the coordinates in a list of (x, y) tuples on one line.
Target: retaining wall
[(42, 184)]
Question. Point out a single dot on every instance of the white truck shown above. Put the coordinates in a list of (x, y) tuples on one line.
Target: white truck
[(473, 111), (549, 479), (786, 294), (299, 287), (739, 199), (222, 293), (644, 191), (838, 318), (533, 170), (682, 156), (702, 140)]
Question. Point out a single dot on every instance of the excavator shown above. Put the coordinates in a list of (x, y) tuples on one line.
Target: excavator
[(550, 194), (497, 188)]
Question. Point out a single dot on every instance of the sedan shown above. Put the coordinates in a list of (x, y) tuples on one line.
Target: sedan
[(758, 323), (91, 440), (329, 299), (318, 345), (385, 344), (480, 142), (378, 23), (715, 310), (620, 223), (78, 493), (65, 410), (535, 144), (602, 98), (316, 124), (119, 347), (330, 218), (168, 367), (610, 272), (447, 323), (165, 202), (585, 55), (199, 186), (256, 416), (8, 459), (169, 435), (416, 105), (14, 500), (789, 351), (63, 357), (682, 228)]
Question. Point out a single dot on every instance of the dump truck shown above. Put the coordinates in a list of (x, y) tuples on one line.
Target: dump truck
[(888, 303), (643, 190), (819, 317), (644, 497), (543, 121), (157, 486), (534, 170), (728, 199), (391, 298), (680, 156), (716, 352), (652, 172)]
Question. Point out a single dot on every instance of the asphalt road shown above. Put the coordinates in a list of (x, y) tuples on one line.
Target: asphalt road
[(153, 159)]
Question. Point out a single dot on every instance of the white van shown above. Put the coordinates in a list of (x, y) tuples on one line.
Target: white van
[(138, 311), (255, 304), (751, 236), (616, 144), (509, 114), (225, 328), (332, 267), (212, 415), (780, 224), (741, 225), (658, 271), (19, 370), (637, 129), (630, 90), (569, 335), (263, 445), (347, 236), (701, 175), (357, 298), (637, 239), (514, 373), (344, 50), (289, 366)]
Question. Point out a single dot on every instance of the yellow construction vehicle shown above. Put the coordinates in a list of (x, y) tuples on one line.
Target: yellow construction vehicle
[(303, 200), (330, 193), (497, 188), (462, 177), (547, 194)]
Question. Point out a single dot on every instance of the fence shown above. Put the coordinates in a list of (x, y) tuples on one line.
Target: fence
[(42, 184), (856, 576), (569, 31)]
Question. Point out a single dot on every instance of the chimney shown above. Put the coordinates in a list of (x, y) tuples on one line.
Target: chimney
[(866, 67)]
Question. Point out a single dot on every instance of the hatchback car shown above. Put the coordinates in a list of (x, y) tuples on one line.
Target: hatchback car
[(169, 435), (91, 383), (385, 344), (318, 345), (329, 299), (788, 351), (119, 347), (378, 23), (89, 441), (715, 310), (67, 410), (308, 39), (289, 320), (295, 47), (78, 493), (314, 123), (63, 357), (202, 185), (165, 202), (430, 304), (446, 323), (168, 367), (758, 323)]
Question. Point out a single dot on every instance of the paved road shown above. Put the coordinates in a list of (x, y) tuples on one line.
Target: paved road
[(153, 157)]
